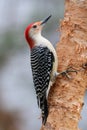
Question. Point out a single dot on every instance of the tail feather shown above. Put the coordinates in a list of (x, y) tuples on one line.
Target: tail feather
[(44, 110)]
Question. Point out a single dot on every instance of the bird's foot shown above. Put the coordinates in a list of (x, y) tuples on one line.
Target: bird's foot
[(65, 72)]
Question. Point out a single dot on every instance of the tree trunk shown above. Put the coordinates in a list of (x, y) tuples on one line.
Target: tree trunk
[(66, 95)]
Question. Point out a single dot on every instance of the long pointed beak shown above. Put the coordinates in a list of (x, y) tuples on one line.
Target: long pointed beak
[(44, 21)]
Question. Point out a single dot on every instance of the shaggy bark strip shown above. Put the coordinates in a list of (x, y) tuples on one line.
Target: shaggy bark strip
[(67, 95)]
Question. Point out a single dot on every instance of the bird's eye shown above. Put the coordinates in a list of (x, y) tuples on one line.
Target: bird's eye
[(35, 26)]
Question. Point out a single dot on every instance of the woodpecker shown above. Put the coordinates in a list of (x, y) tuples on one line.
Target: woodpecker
[(44, 63)]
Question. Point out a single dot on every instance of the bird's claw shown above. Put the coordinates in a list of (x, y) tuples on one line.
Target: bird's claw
[(65, 72), (70, 69)]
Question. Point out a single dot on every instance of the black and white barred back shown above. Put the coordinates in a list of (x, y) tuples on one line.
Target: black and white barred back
[(42, 63)]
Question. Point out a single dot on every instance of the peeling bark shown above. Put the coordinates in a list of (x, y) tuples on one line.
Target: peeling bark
[(66, 95)]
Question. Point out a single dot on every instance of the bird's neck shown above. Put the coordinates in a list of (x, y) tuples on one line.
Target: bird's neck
[(29, 39), (31, 42), (37, 40), (40, 40)]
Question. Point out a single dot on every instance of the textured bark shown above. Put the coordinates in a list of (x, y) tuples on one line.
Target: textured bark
[(67, 95)]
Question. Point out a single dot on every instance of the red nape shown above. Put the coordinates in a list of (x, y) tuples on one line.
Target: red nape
[(28, 38)]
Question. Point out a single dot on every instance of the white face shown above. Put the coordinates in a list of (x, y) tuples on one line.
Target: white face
[(35, 29)]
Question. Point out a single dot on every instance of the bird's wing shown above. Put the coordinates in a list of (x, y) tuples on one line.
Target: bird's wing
[(41, 62)]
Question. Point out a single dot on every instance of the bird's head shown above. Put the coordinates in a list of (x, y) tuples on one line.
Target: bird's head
[(33, 30)]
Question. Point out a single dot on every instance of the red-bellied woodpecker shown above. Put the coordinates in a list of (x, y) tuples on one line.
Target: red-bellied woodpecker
[(44, 63)]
